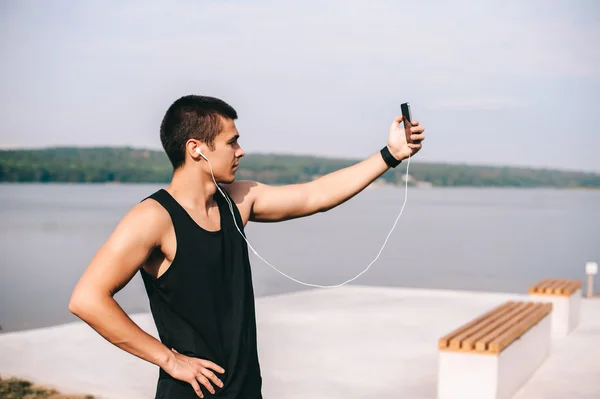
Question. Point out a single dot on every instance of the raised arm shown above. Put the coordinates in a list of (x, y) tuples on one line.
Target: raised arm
[(277, 203)]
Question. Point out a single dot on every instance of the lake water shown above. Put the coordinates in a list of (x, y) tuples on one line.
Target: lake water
[(453, 238)]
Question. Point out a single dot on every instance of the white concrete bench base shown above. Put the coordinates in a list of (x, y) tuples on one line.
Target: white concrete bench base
[(565, 311), (471, 375)]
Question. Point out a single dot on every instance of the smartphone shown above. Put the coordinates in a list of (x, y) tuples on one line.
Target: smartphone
[(407, 120), (406, 112)]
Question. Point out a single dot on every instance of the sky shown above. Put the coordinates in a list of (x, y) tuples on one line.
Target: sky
[(493, 82)]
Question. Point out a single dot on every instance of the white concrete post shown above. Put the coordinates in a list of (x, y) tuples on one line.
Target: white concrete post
[(591, 269)]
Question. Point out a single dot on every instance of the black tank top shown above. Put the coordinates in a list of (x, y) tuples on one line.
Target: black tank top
[(203, 305)]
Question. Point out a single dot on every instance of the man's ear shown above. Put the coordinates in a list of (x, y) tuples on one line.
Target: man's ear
[(192, 146)]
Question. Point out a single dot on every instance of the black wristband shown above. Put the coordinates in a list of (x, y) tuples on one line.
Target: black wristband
[(389, 158)]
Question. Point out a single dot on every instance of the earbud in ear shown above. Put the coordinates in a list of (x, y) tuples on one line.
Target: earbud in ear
[(201, 154)]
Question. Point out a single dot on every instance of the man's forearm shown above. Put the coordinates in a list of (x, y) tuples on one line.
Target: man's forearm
[(337, 187), (105, 316)]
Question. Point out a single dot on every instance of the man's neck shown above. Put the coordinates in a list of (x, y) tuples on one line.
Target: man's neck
[(192, 190)]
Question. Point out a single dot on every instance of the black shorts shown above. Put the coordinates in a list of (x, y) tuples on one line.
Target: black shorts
[(168, 388)]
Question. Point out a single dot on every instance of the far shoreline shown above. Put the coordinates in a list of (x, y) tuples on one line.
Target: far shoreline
[(371, 186)]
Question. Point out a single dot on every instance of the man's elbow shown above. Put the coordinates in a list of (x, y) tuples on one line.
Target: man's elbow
[(76, 304), (81, 302)]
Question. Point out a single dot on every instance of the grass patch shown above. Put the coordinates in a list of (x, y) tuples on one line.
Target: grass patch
[(15, 388)]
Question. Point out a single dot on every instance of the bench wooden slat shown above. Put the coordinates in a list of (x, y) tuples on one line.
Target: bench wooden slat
[(547, 283), (567, 288), (457, 342), (573, 286), (508, 325), (501, 342), (562, 287), (553, 286), (492, 329), (444, 342), (496, 329), (538, 286)]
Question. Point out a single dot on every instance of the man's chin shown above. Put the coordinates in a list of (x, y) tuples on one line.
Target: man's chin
[(225, 179), (229, 180)]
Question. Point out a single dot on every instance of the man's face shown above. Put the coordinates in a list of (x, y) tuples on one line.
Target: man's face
[(227, 152)]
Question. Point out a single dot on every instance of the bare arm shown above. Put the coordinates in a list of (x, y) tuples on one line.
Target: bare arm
[(110, 270), (277, 203), (117, 261)]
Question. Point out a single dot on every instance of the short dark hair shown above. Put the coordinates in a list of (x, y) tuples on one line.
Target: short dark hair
[(192, 117)]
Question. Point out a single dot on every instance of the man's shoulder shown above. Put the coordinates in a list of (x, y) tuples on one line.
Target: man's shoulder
[(244, 194), (145, 223), (242, 191), (148, 213)]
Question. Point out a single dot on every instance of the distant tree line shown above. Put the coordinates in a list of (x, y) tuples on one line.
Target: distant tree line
[(130, 165)]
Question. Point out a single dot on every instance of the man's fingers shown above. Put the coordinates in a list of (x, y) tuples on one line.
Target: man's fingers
[(414, 146), (204, 381), (210, 365), (211, 376), (417, 137), (397, 121), (417, 129), (414, 122), (196, 388)]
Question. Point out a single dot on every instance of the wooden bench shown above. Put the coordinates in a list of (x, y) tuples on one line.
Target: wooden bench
[(565, 296), (493, 355)]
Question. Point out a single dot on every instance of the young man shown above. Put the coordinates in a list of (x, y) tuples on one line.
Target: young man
[(188, 248)]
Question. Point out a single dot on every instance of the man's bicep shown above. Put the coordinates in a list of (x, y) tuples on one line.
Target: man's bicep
[(278, 203), (124, 252)]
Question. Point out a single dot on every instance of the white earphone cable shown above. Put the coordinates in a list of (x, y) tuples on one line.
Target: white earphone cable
[(298, 281)]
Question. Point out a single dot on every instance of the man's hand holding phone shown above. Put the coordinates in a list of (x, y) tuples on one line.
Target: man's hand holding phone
[(404, 142)]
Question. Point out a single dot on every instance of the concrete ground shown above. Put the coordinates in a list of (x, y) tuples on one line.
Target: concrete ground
[(350, 342)]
